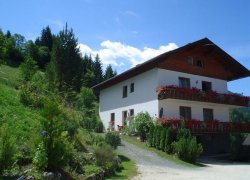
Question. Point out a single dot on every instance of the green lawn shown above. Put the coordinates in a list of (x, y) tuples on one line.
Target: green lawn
[(129, 170), (173, 158)]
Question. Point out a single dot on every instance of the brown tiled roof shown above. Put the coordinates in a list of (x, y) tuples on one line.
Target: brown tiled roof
[(237, 70)]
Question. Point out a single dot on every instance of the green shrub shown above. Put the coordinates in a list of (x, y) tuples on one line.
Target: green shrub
[(99, 126), (170, 137), (109, 169), (35, 92), (163, 138), (40, 159), (28, 68), (86, 99), (158, 137), (97, 139), (188, 149), (130, 128), (237, 149), (54, 137), (155, 136), (183, 133), (91, 169), (113, 139), (7, 148), (103, 153), (151, 136), (143, 121)]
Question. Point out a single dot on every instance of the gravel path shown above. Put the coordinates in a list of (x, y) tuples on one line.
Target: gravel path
[(152, 167)]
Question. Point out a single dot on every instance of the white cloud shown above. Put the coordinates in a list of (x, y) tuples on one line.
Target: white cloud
[(119, 54)]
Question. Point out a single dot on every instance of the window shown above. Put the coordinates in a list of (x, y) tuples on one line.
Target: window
[(208, 114), (184, 82), (161, 113), (124, 118), (206, 86), (112, 118), (132, 87), (125, 91), (185, 113), (190, 61), (199, 63), (131, 112), (112, 121)]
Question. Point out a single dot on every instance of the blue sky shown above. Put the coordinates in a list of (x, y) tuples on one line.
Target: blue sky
[(125, 33)]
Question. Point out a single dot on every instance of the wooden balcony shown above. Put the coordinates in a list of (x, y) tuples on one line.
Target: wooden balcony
[(194, 94), (200, 127)]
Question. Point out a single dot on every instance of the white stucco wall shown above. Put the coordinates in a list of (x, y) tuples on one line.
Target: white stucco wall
[(144, 97), (167, 77)]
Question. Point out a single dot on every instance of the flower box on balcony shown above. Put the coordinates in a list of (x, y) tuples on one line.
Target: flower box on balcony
[(212, 126), (195, 94)]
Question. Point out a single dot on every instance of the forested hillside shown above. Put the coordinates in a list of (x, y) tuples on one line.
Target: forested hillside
[(15, 49), (48, 112)]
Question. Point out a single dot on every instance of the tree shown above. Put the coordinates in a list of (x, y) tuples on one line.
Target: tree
[(8, 34), (109, 72), (97, 67), (88, 71), (28, 68), (15, 49), (46, 38), (44, 56), (66, 64), (3, 48), (86, 99), (54, 148), (31, 50)]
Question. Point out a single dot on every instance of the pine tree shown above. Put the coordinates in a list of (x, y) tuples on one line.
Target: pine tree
[(46, 38), (109, 73), (97, 68), (65, 69), (8, 34)]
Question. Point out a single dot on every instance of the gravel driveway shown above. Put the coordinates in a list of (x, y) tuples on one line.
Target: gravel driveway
[(152, 167)]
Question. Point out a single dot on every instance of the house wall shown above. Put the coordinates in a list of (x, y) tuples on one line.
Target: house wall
[(171, 109), (144, 97), (167, 77)]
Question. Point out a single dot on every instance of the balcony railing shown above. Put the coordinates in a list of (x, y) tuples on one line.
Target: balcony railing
[(194, 94), (213, 126)]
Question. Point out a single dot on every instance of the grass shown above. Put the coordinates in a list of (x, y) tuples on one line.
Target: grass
[(9, 76), (23, 120), (160, 153), (129, 169)]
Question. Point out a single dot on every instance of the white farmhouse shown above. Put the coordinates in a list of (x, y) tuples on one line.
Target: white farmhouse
[(168, 85)]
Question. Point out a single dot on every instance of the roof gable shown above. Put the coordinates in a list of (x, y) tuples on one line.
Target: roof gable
[(216, 63)]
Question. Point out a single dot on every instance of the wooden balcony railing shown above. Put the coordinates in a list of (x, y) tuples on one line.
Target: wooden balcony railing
[(213, 126), (194, 94)]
